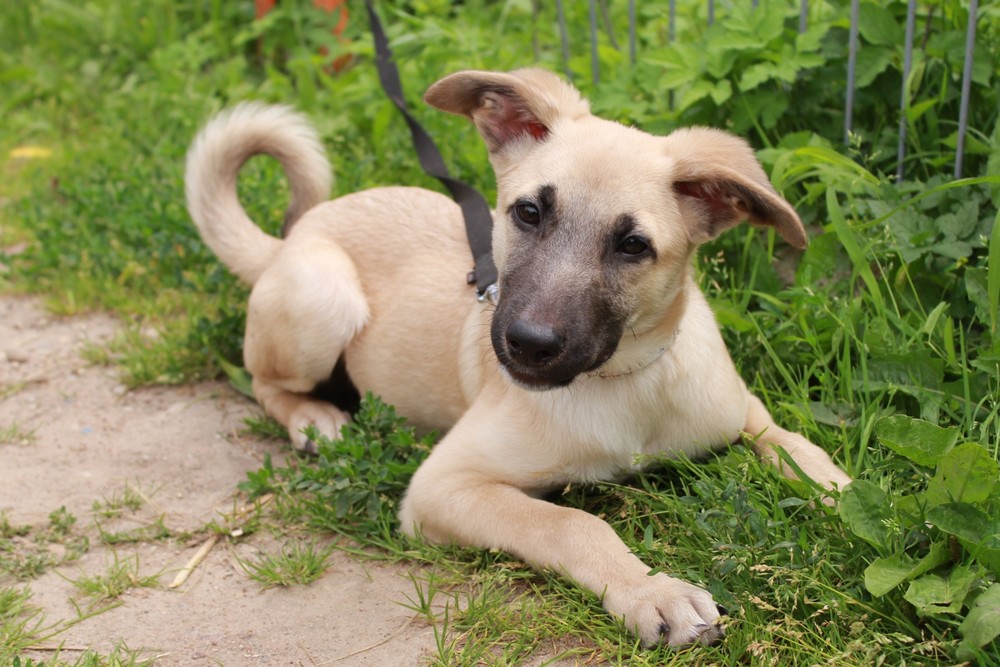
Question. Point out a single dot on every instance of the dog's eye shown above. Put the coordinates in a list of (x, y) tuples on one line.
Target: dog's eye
[(527, 213), (633, 246)]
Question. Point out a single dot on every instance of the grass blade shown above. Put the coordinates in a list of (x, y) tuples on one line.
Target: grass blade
[(850, 242), (993, 281)]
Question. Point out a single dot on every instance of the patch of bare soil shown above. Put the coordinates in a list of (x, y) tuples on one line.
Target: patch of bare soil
[(84, 438)]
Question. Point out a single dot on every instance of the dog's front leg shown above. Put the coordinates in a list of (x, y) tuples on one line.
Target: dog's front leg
[(812, 460), (458, 495)]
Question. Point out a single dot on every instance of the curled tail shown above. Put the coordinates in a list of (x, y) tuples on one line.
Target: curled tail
[(214, 161)]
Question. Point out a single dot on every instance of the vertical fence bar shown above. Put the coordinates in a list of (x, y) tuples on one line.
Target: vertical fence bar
[(608, 26), (631, 31), (595, 68), (672, 26), (564, 38), (754, 3), (904, 98), (803, 15), (534, 30), (963, 111), (852, 65), (711, 12)]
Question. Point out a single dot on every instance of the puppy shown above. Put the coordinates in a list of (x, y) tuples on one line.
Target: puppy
[(600, 349)]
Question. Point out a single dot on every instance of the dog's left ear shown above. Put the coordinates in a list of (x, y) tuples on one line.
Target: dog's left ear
[(508, 107), (719, 183)]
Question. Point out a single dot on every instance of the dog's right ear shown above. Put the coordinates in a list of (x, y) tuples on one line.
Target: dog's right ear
[(509, 107)]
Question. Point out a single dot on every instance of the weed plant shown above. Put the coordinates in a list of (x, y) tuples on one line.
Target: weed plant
[(27, 551), (121, 576), (130, 500), (881, 342), (296, 563)]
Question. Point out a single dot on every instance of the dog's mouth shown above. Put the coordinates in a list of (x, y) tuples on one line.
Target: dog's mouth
[(534, 381), (544, 379)]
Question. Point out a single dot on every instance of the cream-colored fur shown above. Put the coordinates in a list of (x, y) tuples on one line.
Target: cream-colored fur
[(378, 278)]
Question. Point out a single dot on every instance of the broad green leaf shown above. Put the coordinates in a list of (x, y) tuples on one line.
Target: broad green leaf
[(930, 324), (239, 378), (972, 144), (812, 38), (982, 624), (932, 594), (917, 373), (756, 74), (884, 574), (967, 473), (865, 509), (718, 63), (872, 61), (770, 23), (920, 441), (722, 91), (878, 25), (675, 78), (694, 93), (960, 223), (968, 523), (914, 112)]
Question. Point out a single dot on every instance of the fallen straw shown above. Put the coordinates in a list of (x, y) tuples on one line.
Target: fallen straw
[(199, 556), (203, 550)]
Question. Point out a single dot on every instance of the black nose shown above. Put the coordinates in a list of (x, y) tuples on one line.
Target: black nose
[(532, 343)]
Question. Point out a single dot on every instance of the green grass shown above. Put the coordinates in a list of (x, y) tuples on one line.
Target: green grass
[(296, 563), (20, 622), (155, 529), (130, 499), (16, 434), (887, 323), (120, 656), (6, 391), (122, 575), (24, 630), (27, 551)]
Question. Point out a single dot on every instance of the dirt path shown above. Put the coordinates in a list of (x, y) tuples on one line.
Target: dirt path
[(84, 438)]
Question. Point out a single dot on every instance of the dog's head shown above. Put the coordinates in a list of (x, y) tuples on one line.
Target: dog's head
[(596, 222)]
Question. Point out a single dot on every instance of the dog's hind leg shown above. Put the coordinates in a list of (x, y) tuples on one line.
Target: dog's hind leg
[(303, 311), (812, 460)]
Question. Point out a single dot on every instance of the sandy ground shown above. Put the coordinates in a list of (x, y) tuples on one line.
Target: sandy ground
[(182, 447)]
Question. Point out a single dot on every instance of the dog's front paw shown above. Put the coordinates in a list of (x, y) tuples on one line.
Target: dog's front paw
[(667, 610), (327, 418)]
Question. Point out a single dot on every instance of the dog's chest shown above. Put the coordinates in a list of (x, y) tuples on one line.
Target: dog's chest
[(600, 432)]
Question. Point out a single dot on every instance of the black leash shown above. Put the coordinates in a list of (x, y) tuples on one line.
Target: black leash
[(475, 210)]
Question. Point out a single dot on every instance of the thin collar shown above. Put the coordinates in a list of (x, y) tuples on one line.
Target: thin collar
[(641, 364)]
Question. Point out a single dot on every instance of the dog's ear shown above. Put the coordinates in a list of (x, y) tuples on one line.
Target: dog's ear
[(719, 183), (508, 107)]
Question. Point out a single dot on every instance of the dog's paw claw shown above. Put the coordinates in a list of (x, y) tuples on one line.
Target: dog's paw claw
[(709, 634), (326, 418), (666, 611)]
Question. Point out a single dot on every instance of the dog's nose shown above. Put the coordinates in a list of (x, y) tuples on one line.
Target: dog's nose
[(532, 343)]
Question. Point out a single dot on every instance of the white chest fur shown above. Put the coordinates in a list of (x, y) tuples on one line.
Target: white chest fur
[(690, 400)]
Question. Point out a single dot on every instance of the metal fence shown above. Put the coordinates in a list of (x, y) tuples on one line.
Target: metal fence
[(599, 13)]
